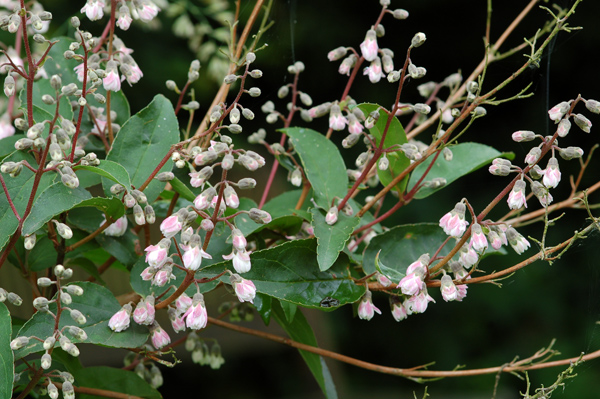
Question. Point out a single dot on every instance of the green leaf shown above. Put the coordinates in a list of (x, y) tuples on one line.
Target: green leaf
[(6, 354), (19, 189), (115, 380), (122, 248), (300, 331), (40, 88), (143, 141), (467, 157), (289, 309), (7, 145), (395, 135), (290, 272), (323, 164), (112, 207), (110, 170), (53, 201), (182, 189), (285, 204), (42, 256), (98, 305), (263, 306), (331, 239), (402, 245)]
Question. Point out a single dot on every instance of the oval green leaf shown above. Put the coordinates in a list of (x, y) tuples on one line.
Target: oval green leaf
[(53, 201), (322, 163), (143, 141), (6, 354), (467, 157), (331, 240)]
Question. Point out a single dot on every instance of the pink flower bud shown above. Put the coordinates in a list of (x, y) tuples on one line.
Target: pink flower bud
[(336, 120), (374, 71), (478, 240), (241, 260), (192, 257), (239, 241), (196, 316), (467, 256), (517, 197), (517, 241), (124, 19), (454, 223), (369, 46), (418, 303), (332, 216), (412, 283), (120, 320), (159, 337), (156, 255), (231, 197), (112, 81), (449, 291), (244, 289), (170, 226), (366, 309), (399, 311), (551, 173), (558, 111), (183, 303), (93, 9), (144, 311)]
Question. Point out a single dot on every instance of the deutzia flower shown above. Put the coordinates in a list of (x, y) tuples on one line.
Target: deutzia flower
[(517, 197), (454, 223), (93, 9), (120, 320), (369, 46), (366, 309)]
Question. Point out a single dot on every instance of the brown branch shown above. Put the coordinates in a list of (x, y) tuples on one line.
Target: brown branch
[(99, 392), (404, 372)]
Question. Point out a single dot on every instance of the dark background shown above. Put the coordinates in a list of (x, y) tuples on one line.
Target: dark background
[(492, 325)]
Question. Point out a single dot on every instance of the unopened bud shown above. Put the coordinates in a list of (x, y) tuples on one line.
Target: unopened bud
[(256, 73), (593, 106), (14, 299), (400, 13), (246, 183), (583, 123), (74, 290), (418, 39), (129, 201), (254, 92), (138, 214), (259, 216), (149, 214), (422, 108), (283, 91), (570, 153), (229, 79), (116, 189), (63, 230), (164, 176), (78, 316)]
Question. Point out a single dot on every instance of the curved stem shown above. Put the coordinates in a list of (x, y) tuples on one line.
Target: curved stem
[(405, 372)]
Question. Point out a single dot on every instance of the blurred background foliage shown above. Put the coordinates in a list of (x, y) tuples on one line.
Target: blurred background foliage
[(492, 325)]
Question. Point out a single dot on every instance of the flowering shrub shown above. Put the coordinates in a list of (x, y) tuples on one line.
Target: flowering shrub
[(84, 181)]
